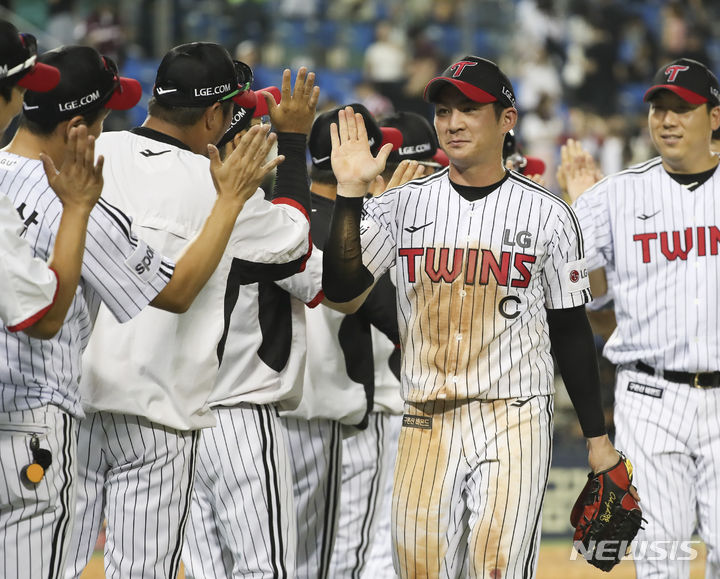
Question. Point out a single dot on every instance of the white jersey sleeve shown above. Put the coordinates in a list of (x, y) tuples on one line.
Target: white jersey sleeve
[(565, 275), (591, 209), (28, 285), (125, 272), (378, 232), (306, 285)]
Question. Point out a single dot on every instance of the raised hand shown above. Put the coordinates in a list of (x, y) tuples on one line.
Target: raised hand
[(352, 162), (577, 171), (79, 182), (239, 176), (296, 111)]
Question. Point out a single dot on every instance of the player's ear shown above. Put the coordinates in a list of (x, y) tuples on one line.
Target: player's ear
[(65, 126), (509, 119), (715, 118), (214, 116)]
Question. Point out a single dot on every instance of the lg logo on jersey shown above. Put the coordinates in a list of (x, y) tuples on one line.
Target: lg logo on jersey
[(522, 239)]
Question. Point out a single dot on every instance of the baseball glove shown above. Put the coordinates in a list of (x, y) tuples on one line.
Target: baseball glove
[(606, 517)]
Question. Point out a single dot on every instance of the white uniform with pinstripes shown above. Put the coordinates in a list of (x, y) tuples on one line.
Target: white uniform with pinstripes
[(38, 379), (28, 286), (242, 519), (659, 243), (363, 546), (474, 279), (147, 382)]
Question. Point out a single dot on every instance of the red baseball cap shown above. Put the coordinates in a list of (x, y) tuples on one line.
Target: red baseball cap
[(479, 79), (88, 81), (18, 61), (691, 80)]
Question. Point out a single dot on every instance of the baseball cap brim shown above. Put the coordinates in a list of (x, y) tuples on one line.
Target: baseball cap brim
[(393, 136), (262, 107), (441, 158), (687, 95), (126, 96), (41, 78), (433, 88)]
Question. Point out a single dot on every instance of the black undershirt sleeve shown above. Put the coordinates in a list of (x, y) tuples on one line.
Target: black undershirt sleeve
[(292, 177), (574, 349), (344, 275)]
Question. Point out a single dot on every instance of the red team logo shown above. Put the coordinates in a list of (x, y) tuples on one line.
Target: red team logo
[(672, 71), (458, 67), (574, 276)]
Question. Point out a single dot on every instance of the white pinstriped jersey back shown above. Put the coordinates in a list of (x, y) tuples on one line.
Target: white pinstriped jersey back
[(474, 279), (659, 243), (47, 371)]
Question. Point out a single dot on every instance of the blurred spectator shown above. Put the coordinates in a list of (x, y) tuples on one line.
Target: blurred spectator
[(539, 26), (385, 62), (61, 21), (537, 76), (103, 30), (250, 20), (540, 131), (366, 94), (638, 51)]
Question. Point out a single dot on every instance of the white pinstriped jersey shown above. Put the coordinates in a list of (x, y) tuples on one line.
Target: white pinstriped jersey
[(659, 243), (27, 285), (163, 366), (118, 269), (473, 281)]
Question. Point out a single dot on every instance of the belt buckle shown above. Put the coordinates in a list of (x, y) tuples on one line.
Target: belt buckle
[(696, 383)]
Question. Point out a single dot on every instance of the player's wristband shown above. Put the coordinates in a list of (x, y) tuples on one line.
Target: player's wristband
[(344, 275)]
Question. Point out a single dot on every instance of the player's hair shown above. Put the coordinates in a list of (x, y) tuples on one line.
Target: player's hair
[(43, 129), (498, 107), (6, 89), (324, 176), (182, 116)]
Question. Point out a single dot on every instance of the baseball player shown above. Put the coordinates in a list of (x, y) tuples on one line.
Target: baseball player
[(40, 403), (369, 455), (653, 228), (35, 296), (490, 275), (147, 383), (338, 386)]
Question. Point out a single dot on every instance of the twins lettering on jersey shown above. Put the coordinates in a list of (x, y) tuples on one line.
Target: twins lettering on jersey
[(678, 244), (477, 264)]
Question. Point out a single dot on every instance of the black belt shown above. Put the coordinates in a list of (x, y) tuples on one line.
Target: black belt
[(696, 380)]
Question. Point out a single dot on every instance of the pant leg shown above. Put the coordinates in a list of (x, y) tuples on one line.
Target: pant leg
[(244, 476), (654, 427), (707, 451), (510, 443), (363, 484), (36, 519), (90, 498), (315, 448), (428, 511), (380, 561), (147, 490)]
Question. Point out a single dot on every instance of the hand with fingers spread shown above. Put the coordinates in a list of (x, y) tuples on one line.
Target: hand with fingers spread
[(239, 176), (296, 111), (352, 162), (577, 171), (79, 182)]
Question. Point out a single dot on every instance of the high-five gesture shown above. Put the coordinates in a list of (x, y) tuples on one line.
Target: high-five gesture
[(296, 111), (239, 176), (79, 181), (352, 162)]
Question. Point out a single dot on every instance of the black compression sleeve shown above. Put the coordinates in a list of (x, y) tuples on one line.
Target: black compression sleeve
[(574, 348), (292, 177), (344, 275)]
